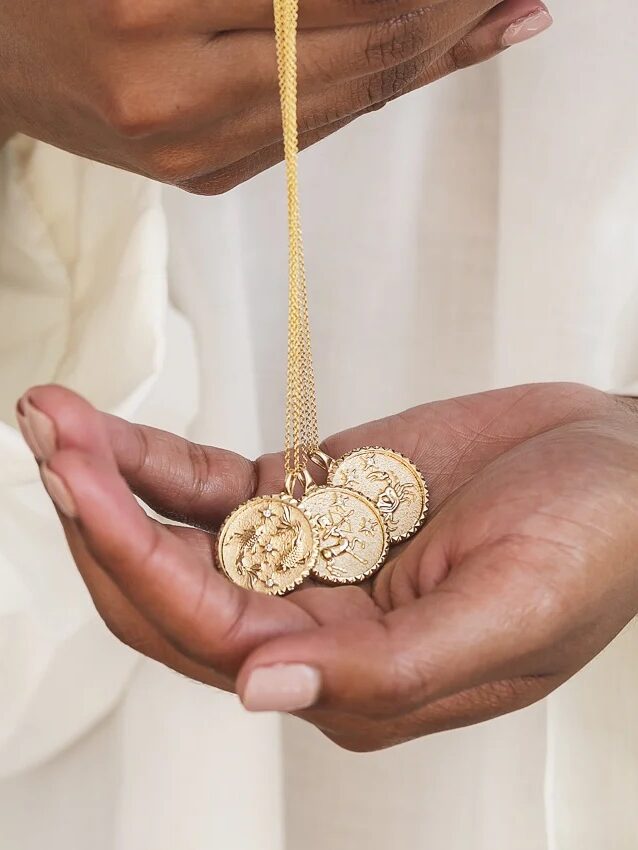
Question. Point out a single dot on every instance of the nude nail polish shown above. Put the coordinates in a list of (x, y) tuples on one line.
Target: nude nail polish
[(59, 492), (37, 429), (527, 27), (25, 430), (282, 687)]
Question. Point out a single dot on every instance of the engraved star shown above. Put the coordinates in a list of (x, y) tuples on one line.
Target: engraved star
[(368, 526), (369, 461), (349, 480), (340, 501)]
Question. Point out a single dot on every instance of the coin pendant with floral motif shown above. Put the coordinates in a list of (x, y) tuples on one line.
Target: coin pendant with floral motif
[(268, 544), (353, 538), (389, 480)]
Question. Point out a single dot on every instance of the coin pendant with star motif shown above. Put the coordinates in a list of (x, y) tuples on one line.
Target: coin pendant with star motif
[(389, 480), (353, 538), (268, 544)]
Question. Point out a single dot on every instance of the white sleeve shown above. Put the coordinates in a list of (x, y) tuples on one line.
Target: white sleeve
[(83, 302)]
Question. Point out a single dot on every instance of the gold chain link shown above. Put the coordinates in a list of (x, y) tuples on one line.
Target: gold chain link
[(302, 432)]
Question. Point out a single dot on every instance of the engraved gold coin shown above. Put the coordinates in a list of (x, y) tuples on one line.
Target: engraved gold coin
[(353, 538), (389, 480), (268, 544)]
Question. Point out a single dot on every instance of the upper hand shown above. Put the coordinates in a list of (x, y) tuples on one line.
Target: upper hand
[(186, 91), (526, 569)]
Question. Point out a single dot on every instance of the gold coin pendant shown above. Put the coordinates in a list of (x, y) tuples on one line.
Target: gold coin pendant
[(389, 480), (353, 539), (268, 544)]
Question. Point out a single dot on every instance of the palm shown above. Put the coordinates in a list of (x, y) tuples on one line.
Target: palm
[(514, 530)]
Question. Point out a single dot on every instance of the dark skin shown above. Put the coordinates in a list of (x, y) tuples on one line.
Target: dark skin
[(186, 91), (526, 569)]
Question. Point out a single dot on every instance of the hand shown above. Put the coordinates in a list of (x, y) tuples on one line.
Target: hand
[(525, 571), (186, 92)]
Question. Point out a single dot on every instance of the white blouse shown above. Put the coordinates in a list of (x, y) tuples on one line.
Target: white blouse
[(484, 232)]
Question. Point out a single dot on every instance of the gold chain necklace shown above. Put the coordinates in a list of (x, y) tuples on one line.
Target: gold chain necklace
[(339, 532)]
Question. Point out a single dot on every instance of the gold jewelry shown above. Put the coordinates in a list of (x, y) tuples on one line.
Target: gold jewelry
[(389, 480), (340, 532), (268, 544), (292, 546), (353, 538)]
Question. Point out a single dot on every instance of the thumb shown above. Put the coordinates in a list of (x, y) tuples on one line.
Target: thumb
[(451, 640)]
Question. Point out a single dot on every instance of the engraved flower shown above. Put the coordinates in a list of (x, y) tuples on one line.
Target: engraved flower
[(270, 551), (270, 522)]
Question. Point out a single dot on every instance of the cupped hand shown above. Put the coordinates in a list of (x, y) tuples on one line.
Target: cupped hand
[(186, 91), (526, 569)]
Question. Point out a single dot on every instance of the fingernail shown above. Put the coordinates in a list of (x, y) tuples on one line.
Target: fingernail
[(59, 492), (25, 429), (37, 429), (282, 687), (527, 27)]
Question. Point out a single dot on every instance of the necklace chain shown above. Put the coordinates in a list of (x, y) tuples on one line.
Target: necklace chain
[(301, 432)]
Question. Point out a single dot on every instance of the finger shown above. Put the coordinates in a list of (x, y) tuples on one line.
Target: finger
[(176, 589), (124, 620), (147, 98), (460, 636), (189, 158), (178, 479), (329, 56), (162, 16), (511, 22), (448, 440), (494, 699), (324, 113), (72, 423)]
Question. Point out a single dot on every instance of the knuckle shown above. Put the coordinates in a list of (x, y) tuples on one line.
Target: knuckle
[(131, 17), (368, 10), (130, 112), (142, 105), (130, 634), (200, 470), (395, 41), (237, 477), (389, 83), (462, 55)]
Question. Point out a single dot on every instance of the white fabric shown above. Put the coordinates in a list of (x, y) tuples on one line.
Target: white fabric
[(480, 233)]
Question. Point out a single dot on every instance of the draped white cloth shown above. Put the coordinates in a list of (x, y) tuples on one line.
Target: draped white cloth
[(480, 233)]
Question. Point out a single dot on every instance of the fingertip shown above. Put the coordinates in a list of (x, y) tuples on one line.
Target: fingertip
[(74, 422), (510, 23), (342, 668), (527, 27), (280, 687)]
